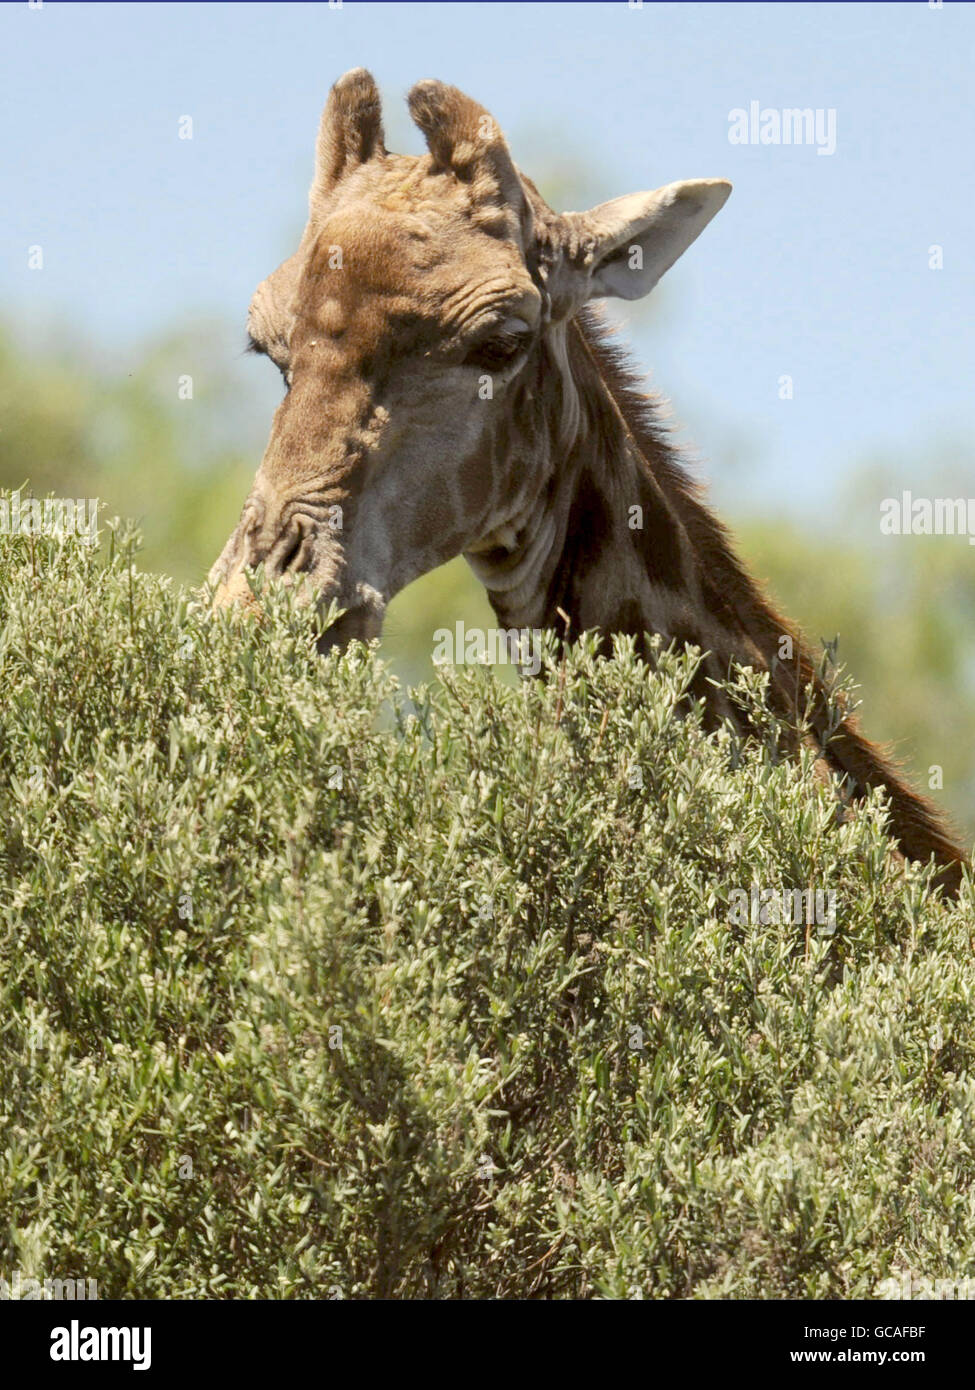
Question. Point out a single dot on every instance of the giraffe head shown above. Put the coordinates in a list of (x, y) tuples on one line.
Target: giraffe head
[(420, 329)]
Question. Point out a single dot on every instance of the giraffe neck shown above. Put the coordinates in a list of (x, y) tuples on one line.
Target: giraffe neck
[(614, 538), (576, 549)]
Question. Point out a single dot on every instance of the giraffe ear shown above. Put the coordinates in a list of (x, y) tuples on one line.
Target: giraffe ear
[(623, 247), (351, 131)]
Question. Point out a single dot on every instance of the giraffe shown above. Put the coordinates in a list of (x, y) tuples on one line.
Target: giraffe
[(451, 391)]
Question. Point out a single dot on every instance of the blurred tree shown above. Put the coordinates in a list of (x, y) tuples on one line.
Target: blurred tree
[(902, 608), (151, 442)]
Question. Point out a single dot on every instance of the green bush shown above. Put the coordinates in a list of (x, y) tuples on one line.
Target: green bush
[(311, 988)]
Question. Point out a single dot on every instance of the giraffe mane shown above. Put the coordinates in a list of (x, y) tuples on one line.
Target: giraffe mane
[(738, 601)]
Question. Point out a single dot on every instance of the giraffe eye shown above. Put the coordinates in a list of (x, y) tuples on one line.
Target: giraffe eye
[(261, 349), (501, 349)]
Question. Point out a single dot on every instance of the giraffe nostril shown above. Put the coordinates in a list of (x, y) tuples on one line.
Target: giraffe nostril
[(294, 550), (291, 554)]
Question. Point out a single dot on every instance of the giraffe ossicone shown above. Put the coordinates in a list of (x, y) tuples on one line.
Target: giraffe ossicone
[(451, 391)]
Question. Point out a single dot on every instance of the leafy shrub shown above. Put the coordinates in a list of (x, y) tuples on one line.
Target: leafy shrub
[(311, 989)]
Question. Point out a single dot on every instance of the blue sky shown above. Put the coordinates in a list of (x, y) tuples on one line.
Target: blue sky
[(816, 268)]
